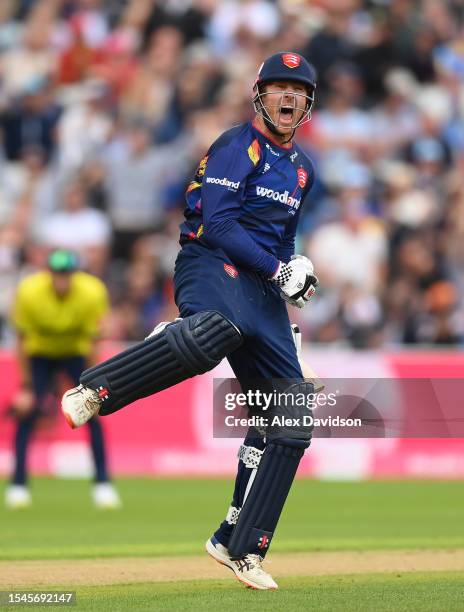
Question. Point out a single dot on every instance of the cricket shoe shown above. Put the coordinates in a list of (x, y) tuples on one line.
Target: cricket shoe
[(105, 496), (248, 569), (17, 497), (79, 405)]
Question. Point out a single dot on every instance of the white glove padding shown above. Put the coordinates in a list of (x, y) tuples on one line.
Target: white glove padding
[(296, 280), (306, 261)]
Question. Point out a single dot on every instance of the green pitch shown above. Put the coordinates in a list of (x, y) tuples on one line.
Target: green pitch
[(174, 518), (385, 592)]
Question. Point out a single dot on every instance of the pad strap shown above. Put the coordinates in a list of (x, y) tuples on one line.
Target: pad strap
[(250, 455), (232, 515)]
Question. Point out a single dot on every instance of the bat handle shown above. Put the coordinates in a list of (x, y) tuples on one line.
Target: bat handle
[(308, 372), (296, 338)]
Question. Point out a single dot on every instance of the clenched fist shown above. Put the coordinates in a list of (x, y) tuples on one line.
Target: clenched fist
[(296, 280)]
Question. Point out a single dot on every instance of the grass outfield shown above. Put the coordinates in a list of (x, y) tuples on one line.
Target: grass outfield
[(426, 592), (174, 517)]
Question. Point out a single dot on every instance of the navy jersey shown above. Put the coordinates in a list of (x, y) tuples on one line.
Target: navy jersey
[(246, 198)]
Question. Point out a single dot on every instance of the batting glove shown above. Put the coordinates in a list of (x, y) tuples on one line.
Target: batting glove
[(296, 280)]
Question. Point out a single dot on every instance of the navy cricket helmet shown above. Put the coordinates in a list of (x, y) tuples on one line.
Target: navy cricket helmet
[(285, 66)]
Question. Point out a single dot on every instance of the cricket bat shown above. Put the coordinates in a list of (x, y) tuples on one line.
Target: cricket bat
[(307, 370)]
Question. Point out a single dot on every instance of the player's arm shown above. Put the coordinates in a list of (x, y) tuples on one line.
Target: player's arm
[(295, 274), (24, 362), (222, 195), (287, 246), (21, 321), (24, 399), (221, 208)]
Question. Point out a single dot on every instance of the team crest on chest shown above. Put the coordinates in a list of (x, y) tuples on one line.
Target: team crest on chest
[(231, 270), (302, 177)]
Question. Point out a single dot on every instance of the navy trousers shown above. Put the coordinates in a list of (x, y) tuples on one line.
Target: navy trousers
[(206, 279), (44, 371)]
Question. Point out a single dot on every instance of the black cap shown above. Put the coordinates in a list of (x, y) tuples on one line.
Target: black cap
[(62, 260), (287, 66)]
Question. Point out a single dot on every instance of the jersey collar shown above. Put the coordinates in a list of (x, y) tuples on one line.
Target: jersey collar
[(285, 148)]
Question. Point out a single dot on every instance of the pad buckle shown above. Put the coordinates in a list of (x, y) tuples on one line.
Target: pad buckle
[(232, 515), (249, 455), (161, 327)]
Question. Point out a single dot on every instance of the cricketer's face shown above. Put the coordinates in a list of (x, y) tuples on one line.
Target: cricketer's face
[(285, 102), (61, 282)]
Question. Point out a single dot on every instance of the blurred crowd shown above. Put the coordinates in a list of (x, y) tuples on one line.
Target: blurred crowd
[(107, 106)]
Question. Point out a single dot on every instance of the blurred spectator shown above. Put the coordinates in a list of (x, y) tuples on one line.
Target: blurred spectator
[(33, 62), (106, 106), (137, 180), (29, 188), (331, 43), (147, 94), (200, 90), (30, 120), (352, 250), (190, 18), (85, 126), (342, 128), (90, 20), (117, 63), (395, 120), (234, 21), (78, 227), (77, 60)]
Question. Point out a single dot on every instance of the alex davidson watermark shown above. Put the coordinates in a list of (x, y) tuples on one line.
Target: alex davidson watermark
[(307, 420), (348, 408)]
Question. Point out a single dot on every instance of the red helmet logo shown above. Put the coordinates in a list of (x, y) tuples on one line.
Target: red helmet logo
[(291, 60), (302, 177)]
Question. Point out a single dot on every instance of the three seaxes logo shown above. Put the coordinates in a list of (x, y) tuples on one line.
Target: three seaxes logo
[(230, 270), (291, 60), (302, 177)]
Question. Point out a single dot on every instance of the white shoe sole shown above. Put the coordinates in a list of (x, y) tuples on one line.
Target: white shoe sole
[(223, 560)]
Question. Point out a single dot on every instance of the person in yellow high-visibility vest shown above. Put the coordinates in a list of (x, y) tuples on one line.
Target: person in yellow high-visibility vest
[(57, 314)]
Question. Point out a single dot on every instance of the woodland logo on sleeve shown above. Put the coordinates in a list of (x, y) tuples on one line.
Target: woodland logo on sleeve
[(224, 182)]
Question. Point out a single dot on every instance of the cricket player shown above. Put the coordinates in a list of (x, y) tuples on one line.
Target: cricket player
[(234, 276), (57, 315)]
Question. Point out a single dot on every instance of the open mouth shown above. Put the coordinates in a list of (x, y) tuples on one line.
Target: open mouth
[(286, 115)]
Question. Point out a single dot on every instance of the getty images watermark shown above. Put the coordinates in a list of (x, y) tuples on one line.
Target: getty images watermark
[(281, 408), (267, 405), (346, 408)]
